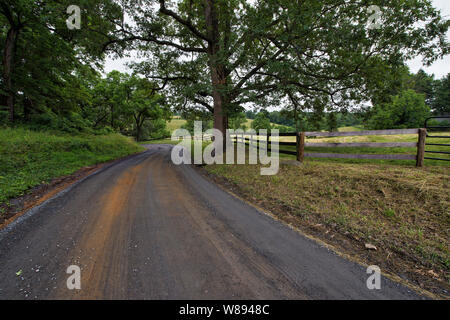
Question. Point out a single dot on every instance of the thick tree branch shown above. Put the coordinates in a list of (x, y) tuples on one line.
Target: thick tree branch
[(154, 40), (182, 21), (203, 103)]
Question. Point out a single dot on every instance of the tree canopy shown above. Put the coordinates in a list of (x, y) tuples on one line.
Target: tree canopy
[(219, 55)]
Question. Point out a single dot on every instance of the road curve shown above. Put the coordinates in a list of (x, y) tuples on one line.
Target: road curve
[(144, 228)]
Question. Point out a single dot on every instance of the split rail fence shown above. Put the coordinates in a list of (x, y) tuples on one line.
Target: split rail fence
[(301, 143)]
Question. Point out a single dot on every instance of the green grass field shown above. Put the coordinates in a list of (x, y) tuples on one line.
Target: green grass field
[(175, 123), (29, 158)]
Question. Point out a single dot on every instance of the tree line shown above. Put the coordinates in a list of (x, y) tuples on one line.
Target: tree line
[(51, 75)]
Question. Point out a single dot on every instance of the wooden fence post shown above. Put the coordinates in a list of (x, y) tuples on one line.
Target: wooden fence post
[(300, 146), (421, 147)]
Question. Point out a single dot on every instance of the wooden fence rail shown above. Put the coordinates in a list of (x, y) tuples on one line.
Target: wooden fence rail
[(301, 144)]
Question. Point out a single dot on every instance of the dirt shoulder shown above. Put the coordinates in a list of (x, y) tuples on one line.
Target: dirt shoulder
[(402, 211), (41, 193)]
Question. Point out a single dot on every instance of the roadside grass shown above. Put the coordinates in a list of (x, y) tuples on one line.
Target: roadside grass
[(29, 158), (401, 210)]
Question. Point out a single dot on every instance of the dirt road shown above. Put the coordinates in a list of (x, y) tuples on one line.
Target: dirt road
[(147, 229)]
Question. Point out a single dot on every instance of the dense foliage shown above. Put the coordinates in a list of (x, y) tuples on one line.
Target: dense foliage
[(50, 74), (408, 100)]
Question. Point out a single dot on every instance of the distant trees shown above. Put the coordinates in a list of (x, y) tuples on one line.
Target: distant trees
[(147, 108), (261, 121), (238, 121), (441, 100), (406, 110), (197, 115), (42, 58), (129, 104), (249, 114), (408, 100), (425, 84)]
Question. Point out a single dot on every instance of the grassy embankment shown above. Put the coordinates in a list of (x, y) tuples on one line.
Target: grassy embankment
[(29, 158)]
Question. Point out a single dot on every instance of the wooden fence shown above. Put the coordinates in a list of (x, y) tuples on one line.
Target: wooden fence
[(301, 144)]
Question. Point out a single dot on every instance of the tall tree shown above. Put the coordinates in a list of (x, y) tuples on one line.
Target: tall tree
[(39, 52), (145, 104)]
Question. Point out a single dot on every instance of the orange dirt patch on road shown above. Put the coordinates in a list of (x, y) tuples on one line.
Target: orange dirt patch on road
[(104, 241)]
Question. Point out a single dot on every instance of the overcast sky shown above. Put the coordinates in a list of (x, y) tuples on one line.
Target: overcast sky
[(439, 68)]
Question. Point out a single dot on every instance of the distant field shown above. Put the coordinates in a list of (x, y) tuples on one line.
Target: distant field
[(175, 123), (249, 123), (349, 129)]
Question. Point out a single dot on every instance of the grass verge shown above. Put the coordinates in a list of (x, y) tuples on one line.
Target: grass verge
[(30, 158)]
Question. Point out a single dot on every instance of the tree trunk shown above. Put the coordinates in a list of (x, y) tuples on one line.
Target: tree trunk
[(217, 69), (112, 117), (138, 133), (27, 107), (8, 62), (140, 119)]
